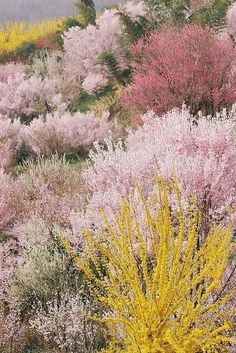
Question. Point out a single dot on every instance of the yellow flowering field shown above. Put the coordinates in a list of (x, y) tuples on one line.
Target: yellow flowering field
[(13, 34)]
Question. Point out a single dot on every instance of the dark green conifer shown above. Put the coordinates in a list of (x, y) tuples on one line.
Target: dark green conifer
[(87, 11)]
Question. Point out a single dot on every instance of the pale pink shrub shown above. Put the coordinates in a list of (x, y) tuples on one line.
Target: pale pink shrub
[(66, 325), (12, 329), (10, 141), (32, 229), (135, 10), (201, 156), (10, 70), (11, 203), (84, 46), (51, 190), (50, 69), (16, 94), (13, 332), (231, 21), (7, 264), (65, 133), (21, 90), (94, 82)]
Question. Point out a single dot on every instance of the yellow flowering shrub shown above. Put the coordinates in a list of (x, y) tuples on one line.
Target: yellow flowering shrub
[(13, 34), (162, 287)]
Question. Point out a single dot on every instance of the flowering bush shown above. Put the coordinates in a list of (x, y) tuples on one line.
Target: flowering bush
[(83, 47), (161, 290), (10, 141), (182, 65), (13, 34), (11, 203), (64, 133), (13, 332), (16, 93), (22, 88), (12, 329), (50, 190), (94, 82), (66, 324), (231, 21), (134, 10), (201, 157)]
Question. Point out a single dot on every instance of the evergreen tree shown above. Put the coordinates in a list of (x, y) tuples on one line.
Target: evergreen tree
[(133, 29), (213, 14), (169, 12), (118, 76), (87, 11)]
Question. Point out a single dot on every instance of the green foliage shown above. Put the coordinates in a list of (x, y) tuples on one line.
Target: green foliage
[(26, 50), (87, 11), (177, 12), (65, 26), (111, 102), (117, 75), (213, 14), (45, 274), (84, 103), (133, 29)]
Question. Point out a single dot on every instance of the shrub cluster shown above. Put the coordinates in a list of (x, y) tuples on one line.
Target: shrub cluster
[(118, 183)]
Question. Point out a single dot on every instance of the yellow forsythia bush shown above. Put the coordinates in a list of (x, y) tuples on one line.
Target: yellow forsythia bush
[(163, 286), (13, 34)]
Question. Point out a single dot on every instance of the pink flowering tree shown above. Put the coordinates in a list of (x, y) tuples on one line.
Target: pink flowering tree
[(64, 133), (66, 325), (231, 21), (21, 93), (11, 202), (10, 141), (83, 47), (16, 96), (182, 65), (12, 328), (201, 157)]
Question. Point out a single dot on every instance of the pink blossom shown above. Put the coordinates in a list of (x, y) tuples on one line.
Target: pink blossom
[(182, 65), (94, 82), (231, 20), (84, 46), (66, 325), (63, 133), (10, 141), (10, 201), (135, 10), (202, 157)]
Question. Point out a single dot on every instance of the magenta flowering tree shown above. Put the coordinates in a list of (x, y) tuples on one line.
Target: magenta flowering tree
[(183, 65)]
